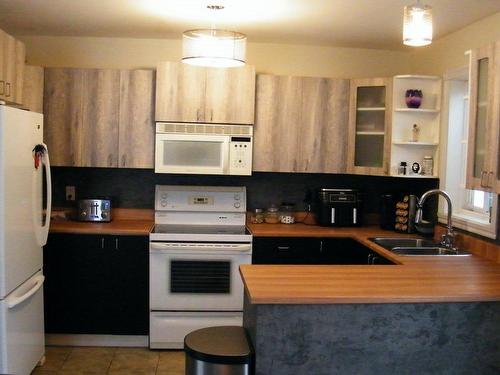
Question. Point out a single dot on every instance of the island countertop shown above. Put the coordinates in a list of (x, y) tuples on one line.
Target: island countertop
[(411, 280)]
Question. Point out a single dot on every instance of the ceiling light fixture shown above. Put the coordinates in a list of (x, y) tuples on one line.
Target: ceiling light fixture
[(214, 47), (417, 25)]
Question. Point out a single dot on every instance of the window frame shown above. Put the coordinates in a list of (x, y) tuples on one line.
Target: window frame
[(465, 216)]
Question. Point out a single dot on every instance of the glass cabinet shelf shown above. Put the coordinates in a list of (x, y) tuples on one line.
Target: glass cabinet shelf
[(367, 109), (369, 133)]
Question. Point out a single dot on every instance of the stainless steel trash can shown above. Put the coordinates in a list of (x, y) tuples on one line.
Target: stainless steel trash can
[(218, 351)]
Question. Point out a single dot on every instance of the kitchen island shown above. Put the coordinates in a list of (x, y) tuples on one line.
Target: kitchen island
[(424, 315)]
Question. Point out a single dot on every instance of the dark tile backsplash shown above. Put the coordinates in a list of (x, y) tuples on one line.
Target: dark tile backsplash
[(134, 188)]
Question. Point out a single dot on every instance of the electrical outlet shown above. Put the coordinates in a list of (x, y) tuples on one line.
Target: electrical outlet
[(70, 193)]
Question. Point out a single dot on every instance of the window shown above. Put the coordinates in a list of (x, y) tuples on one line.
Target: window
[(473, 210)]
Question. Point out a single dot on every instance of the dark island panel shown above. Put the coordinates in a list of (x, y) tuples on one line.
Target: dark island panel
[(419, 338)]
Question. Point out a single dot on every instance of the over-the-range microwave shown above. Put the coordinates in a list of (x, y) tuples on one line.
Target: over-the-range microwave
[(196, 148)]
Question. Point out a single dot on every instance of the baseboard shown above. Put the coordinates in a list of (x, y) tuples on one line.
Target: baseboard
[(96, 340)]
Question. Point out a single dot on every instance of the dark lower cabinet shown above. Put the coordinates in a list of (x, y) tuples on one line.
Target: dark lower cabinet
[(348, 251), (285, 250), (96, 284), (311, 250)]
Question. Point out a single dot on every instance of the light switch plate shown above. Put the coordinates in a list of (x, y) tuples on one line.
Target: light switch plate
[(70, 193)]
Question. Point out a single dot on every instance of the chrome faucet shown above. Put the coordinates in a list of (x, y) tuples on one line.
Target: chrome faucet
[(448, 239)]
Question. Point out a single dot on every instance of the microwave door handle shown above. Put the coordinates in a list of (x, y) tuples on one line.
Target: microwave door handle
[(225, 155)]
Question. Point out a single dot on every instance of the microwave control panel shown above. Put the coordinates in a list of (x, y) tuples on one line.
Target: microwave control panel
[(240, 156)]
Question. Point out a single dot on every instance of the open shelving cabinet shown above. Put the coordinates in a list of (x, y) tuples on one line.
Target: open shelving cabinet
[(427, 117)]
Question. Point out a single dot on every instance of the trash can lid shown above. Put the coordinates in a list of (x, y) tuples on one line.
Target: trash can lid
[(224, 345)]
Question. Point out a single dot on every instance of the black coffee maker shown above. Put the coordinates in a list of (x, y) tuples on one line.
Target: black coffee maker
[(338, 207)]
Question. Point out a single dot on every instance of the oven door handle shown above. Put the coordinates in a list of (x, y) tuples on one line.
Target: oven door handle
[(167, 247)]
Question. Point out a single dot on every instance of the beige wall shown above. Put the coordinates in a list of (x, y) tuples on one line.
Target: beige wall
[(286, 59), (283, 59), (448, 52)]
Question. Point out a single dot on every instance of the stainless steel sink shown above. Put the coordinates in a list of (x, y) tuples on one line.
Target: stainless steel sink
[(416, 247), (428, 251), (390, 243)]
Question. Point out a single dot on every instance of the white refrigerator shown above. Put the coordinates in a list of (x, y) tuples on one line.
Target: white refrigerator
[(23, 232)]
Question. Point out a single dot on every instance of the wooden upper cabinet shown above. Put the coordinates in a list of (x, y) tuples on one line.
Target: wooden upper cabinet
[(323, 127), (101, 106), (369, 138), (20, 56), (33, 88), (186, 93), (482, 155), (99, 117), (495, 150), (277, 120), (180, 92), (12, 56), (137, 127), (63, 121), (300, 124), (230, 95)]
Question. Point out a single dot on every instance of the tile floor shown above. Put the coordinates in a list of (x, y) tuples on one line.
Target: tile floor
[(110, 361)]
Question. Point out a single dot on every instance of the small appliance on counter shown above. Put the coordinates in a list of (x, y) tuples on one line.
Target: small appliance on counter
[(94, 210), (338, 207)]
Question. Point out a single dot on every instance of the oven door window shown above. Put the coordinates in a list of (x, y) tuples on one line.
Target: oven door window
[(197, 154), (195, 276)]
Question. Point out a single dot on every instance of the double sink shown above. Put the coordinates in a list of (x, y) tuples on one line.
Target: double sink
[(416, 247)]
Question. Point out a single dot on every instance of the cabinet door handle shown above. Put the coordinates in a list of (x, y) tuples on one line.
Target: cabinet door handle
[(370, 256), (483, 173), (7, 89), (102, 243), (321, 246), (2, 87), (490, 179), (116, 243), (110, 160), (124, 160), (283, 248)]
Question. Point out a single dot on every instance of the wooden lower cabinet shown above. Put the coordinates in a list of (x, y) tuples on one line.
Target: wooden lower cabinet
[(96, 284), (312, 250)]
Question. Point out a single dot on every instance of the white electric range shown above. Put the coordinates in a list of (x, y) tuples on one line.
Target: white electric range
[(196, 247)]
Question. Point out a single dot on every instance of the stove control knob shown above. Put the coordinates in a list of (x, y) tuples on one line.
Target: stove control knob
[(104, 215), (237, 205), (163, 203), (164, 196), (237, 197)]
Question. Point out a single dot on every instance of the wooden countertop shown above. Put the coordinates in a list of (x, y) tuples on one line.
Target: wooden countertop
[(125, 222), (413, 279)]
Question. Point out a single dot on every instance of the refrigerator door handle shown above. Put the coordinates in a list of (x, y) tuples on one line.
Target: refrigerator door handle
[(16, 301), (48, 211)]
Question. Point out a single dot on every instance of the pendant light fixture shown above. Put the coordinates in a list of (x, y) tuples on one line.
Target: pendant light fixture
[(214, 47), (417, 25)]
